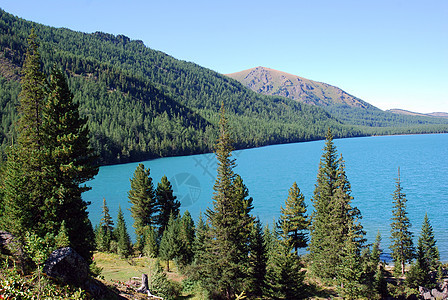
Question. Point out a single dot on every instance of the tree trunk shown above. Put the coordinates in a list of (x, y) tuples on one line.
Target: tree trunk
[(144, 287)]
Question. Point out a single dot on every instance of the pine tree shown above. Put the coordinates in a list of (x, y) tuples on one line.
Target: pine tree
[(170, 243), (62, 239), (401, 246), (166, 203), (427, 251), (258, 260), (284, 274), (25, 190), (428, 259), (377, 277), (333, 217), (294, 218), (226, 267), (72, 160), (122, 236), (186, 239), (103, 234), (350, 273), (143, 201), (150, 248)]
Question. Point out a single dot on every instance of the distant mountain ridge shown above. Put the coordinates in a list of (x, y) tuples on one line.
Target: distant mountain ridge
[(411, 113), (276, 83)]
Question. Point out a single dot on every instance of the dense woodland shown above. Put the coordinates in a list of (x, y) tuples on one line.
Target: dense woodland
[(143, 103)]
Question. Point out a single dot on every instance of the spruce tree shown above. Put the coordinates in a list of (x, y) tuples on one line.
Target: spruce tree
[(350, 273), (166, 203), (428, 259), (427, 251), (66, 137), (226, 267), (170, 243), (122, 236), (186, 239), (258, 260), (333, 217), (293, 217), (284, 274), (103, 233), (143, 200), (401, 246), (150, 248), (25, 190)]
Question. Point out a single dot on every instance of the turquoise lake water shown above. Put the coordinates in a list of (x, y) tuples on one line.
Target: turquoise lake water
[(268, 172)]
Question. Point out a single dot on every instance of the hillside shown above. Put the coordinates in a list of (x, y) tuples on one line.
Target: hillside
[(276, 83), (344, 107), (142, 103), (410, 113)]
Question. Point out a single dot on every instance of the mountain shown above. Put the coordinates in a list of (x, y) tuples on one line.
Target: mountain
[(410, 113), (276, 83), (346, 108), (142, 103)]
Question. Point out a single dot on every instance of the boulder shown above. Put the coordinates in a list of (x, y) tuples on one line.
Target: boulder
[(12, 246), (67, 266)]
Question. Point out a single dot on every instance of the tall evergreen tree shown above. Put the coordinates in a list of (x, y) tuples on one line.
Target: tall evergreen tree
[(143, 200), (23, 180), (333, 215), (166, 203), (66, 137), (293, 218), (122, 236), (226, 268), (401, 246)]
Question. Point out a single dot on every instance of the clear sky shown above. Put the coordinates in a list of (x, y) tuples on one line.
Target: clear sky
[(390, 53)]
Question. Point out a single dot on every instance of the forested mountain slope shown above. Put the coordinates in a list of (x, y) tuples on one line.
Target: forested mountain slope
[(143, 103)]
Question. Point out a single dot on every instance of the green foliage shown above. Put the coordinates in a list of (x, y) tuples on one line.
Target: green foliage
[(143, 200), (401, 246), (122, 236), (258, 259), (284, 274), (62, 239), (15, 286), (294, 219), (170, 243), (333, 217), (160, 285), (224, 265), (104, 230), (186, 239), (166, 203), (423, 271), (150, 248)]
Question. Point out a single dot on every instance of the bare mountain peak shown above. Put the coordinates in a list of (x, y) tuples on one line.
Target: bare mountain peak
[(277, 83)]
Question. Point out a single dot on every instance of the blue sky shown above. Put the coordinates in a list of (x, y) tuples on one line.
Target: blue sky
[(392, 54)]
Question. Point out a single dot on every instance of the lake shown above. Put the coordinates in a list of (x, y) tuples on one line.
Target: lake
[(268, 172)]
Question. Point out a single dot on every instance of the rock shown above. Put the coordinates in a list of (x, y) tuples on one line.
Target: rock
[(67, 266), (11, 246)]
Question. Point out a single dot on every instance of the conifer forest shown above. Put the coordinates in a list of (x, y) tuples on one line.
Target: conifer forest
[(66, 110)]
